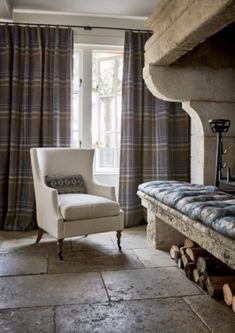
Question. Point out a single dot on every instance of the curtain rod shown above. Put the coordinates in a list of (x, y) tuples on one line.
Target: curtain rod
[(85, 27)]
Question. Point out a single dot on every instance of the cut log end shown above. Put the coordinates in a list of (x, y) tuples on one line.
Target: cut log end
[(175, 252), (195, 252), (172, 251), (180, 264), (233, 304), (196, 275), (228, 294), (201, 265), (188, 243), (185, 259)]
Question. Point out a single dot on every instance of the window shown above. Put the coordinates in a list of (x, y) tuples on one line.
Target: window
[(97, 121), (106, 108)]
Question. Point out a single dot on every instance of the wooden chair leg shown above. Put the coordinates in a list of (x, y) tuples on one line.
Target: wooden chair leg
[(40, 234), (119, 234), (60, 248)]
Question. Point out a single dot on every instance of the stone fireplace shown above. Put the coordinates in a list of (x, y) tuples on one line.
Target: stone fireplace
[(190, 58)]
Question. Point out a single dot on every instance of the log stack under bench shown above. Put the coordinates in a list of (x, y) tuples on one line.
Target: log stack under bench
[(213, 276)]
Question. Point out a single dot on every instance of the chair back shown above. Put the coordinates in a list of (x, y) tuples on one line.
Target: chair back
[(62, 162)]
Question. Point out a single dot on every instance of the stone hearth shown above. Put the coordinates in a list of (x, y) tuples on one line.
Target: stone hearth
[(190, 59)]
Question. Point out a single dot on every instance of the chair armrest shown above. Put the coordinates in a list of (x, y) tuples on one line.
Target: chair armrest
[(98, 189), (49, 196), (48, 214)]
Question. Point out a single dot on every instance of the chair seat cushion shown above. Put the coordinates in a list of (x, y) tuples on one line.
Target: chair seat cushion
[(79, 206)]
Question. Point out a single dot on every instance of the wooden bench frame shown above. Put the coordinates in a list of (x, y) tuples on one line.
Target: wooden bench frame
[(162, 220)]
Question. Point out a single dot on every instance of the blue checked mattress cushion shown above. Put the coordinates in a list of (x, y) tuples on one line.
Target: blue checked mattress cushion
[(203, 203)]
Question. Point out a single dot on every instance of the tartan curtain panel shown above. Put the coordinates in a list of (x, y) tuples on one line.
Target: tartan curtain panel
[(155, 134), (35, 103)]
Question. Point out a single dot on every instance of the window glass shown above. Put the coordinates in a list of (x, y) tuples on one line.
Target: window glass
[(107, 114), (106, 108)]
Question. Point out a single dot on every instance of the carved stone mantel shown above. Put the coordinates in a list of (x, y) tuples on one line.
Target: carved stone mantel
[(177, 83), (181, 66), (180, 25)]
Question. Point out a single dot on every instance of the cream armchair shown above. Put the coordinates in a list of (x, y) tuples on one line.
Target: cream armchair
[(72, 214)]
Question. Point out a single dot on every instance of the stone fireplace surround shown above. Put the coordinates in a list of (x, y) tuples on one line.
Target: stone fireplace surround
[(190, 58)]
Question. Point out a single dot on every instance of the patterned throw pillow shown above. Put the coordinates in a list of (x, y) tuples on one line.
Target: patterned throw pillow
[(66, 184)]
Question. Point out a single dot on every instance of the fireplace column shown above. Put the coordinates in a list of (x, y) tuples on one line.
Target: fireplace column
[(203, 141), (205, 94)]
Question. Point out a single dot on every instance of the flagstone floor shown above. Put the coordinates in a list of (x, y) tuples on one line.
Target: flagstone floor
[(97, 289)]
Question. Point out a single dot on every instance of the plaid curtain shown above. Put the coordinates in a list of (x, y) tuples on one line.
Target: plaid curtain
[(35, 103), (155, 135)]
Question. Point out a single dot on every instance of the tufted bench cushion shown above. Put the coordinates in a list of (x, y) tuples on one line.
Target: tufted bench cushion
[(206, 204)]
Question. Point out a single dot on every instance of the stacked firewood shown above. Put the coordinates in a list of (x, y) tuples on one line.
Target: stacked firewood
[(207, 271), (229, 294)]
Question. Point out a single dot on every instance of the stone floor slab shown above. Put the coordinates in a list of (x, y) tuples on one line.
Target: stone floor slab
[(15, 244), (135, 240), (84, 261), (97, 242), (28, 245), (22, 264), (218, 317), (154, 258), (38, 320), (54, 289), (146, 316), (148, 283)]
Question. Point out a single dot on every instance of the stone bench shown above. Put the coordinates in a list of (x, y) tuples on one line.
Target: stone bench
[(167, 226)]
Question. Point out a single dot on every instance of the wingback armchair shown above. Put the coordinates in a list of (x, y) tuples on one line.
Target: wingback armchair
[(72, 214)]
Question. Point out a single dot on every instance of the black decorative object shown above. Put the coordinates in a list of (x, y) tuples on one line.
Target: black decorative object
[(220, 126)]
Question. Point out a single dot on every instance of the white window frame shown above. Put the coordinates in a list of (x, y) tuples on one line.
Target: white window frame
[(114, 132), (85, 101)]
